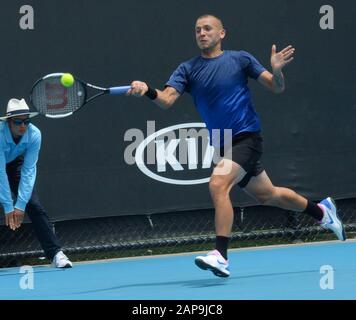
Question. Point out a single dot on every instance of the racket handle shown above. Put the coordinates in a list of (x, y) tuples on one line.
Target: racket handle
[(119, 90)]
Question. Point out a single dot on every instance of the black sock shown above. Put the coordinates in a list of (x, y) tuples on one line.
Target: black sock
[(314, 211), (221, 244)]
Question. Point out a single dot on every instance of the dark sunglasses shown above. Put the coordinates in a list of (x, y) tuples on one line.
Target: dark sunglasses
[(19, 122)]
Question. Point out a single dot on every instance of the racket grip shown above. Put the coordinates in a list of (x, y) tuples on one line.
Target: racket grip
[(119, 90)]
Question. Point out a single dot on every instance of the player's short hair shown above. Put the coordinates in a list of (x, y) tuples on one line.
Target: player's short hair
[(211, 15)]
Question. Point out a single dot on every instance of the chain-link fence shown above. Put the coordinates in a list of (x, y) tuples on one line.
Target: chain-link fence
[(125, 236)]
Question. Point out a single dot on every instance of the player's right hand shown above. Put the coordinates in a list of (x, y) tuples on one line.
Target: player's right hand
[(138, 89)]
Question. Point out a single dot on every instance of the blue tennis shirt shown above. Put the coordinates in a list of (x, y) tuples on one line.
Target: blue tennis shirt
[(220, 92), (29, 147)]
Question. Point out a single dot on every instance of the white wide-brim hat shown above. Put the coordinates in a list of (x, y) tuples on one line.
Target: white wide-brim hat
[(16, 108)]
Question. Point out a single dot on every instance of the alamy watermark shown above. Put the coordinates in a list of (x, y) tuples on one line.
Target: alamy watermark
[(327, 280), (327, 21), (179, 145), (27, 281), (27, 19)]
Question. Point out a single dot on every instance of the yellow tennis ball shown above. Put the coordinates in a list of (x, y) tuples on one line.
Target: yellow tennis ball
[(67, 80)]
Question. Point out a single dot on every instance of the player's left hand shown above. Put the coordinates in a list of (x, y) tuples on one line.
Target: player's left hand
[(280, 59), (18, 217)]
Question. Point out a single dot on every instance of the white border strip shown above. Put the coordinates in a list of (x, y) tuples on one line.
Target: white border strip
[(260, 248)]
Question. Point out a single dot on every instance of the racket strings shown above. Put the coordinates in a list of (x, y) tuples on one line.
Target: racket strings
[(50, 97)]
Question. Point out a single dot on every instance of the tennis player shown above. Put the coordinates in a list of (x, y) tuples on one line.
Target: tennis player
[(20, 143), (217, 81)]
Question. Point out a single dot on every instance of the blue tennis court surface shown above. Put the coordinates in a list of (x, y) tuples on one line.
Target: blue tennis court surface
[(288, 272)]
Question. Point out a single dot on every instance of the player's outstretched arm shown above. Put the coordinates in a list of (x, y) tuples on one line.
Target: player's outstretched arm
[(163, 99)]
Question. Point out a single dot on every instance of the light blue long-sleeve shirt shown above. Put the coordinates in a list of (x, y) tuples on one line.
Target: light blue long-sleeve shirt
[(29, 146)]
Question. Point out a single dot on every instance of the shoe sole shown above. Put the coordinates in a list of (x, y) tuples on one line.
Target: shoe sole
[(67, 266), (342, 225), (204, 266)]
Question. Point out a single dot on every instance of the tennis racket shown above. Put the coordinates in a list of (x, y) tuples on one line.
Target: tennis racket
[(54, 100)]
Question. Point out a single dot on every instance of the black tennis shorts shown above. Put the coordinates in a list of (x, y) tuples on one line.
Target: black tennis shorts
[(247, 149)]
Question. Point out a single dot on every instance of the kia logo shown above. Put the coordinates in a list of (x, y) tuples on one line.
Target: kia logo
[(175, 155)]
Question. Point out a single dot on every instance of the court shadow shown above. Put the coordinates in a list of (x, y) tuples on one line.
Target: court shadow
[(191, 284), (273, 274), (201, 283)]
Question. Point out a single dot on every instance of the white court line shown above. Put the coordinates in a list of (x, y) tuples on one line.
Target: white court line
[(259, 248)]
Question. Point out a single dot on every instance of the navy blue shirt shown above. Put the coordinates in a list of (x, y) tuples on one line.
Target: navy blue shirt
[(220, 92)]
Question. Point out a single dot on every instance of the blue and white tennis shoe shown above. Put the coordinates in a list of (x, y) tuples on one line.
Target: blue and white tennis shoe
[(214, 262), (331, 220)]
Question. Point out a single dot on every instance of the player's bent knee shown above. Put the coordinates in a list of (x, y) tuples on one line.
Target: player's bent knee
[(215, 184), (218, 185)]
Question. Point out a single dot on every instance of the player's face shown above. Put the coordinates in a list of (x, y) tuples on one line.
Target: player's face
[(18, 125), (208, 33)]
